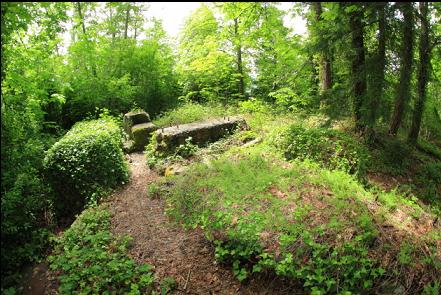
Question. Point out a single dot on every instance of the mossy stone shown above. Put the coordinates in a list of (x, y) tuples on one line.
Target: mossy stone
[(141, 135), (133, 118)]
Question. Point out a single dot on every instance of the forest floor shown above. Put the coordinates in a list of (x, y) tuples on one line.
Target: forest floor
[(175, 252), (184, 255)]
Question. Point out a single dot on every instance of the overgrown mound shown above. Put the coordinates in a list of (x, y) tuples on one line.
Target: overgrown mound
[(332, 148), (90, 260), (85, 163), (192, 112), (317, 226)]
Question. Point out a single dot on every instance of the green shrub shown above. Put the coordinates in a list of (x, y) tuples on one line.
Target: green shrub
[(26, 217), (254, 105), (86, 163), (161, 157), (396, 155), (26, 202), (93, 261), (286, 99), (333, 149)]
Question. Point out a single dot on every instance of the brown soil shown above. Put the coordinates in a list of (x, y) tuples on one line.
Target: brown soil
[(35, 279), (184, 255)]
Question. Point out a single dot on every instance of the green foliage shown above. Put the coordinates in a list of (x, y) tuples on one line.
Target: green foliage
[(26, 218), (115, 72), (168, 284), (116, 59), (254, 105), (160, 158), (187, 149), (396, 157), (334, 149), (29, 91), (32, 197), (85, 163), (432, 289), (287, 99), (93, 261), (206, 71)]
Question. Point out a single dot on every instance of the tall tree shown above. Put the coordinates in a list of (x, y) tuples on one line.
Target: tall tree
[(238, 45), (402, 94), (423, 72), (126, 23), (379, 65), (324, 59), (358, 72), (239, 19), (81, 17), (206, 70)]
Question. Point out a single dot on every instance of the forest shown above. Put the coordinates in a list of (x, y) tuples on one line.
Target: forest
[(238, 158)]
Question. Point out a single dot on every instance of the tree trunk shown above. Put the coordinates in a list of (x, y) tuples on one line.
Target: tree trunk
[(80, 15), (111, 23), (402, 94), (379, 67), (241, 83), (359, 85), (423, 73), (314, 77), (324, 63), (126, 25)]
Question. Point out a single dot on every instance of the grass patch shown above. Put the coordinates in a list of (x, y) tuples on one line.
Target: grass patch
[(192, 112), (297, 220), (430, 149)]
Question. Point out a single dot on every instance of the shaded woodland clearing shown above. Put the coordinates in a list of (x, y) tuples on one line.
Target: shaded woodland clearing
[(350, 111)]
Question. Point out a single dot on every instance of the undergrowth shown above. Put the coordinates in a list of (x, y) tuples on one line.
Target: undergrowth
[(91, 260), (297, 220), (332, 148)]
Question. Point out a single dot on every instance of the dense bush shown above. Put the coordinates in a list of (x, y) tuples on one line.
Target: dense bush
[(93, 261), (26, 200), (334, 149), (85, 163), (160, 159), (26, 218)]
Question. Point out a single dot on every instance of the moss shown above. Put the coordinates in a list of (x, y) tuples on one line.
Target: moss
[(133, 118), (141, 135)]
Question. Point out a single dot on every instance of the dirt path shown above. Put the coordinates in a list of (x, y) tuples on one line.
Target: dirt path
[(184, 255)]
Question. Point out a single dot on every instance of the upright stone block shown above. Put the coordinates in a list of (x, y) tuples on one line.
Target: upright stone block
[(141, 135), (133, 118)]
